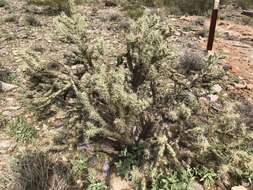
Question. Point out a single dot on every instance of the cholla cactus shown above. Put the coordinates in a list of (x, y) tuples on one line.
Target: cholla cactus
[(64, 5), (144, 99), (147, 47)]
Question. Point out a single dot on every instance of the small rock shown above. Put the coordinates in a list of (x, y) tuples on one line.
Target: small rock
[(7, 113), (238, 188), (106, 168), (78, 69), (14, 108), (240, 86), (5, 87), (225, 77), (216, 88), (177, 33), (213, 98), (117, 183), (6, 145), (195, 186), (250, 86), (203, 100), (227, 67)]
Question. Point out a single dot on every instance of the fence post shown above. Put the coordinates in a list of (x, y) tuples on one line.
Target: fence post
[(213, 25)]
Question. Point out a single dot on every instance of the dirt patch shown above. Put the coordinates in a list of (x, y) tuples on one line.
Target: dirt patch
[(236, 42)]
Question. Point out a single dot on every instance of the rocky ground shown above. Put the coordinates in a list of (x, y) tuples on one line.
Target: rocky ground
[(31, 28)]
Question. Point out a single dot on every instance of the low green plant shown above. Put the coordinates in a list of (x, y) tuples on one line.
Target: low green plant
[(125, 162), (21, 130), (171, 180), (79, 167), (81, 171), (207, 176), (93, 183), (12, 77)]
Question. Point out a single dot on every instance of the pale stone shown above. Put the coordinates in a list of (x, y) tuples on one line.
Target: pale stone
[(6, 145), (213, 98), (250, 86), (238, 188), (5, 87), (240, 86), (118, 183), (195, 186), (216, 88)]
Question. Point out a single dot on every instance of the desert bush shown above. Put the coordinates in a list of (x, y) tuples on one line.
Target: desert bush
[(194, 7), (34, 170), (134, 9), (158, 108), (11, 18), (64, 5), (32, 21), (245, 4)]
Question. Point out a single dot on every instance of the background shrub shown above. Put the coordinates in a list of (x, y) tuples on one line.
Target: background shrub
[(193, 7), (245, 4)]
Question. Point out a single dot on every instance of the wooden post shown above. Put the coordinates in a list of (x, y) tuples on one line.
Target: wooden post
[(213, 25)]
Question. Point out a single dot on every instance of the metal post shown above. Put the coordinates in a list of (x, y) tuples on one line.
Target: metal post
[(213, 25)]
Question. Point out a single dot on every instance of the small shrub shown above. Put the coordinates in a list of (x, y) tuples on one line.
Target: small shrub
[(94, 184), (134, 10), (11, 18), (204, 32), (81, 172), (80, 167), (21, 130), (194, 7), (32, 21), (34, 170), (207, 176), (191, 61)]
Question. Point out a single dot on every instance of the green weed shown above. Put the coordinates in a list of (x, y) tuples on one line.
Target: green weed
[(173, 180), (125, 163), (81, 171), (21, 130), (12, 77), (93, 183), (79, 166), (208, 176)]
